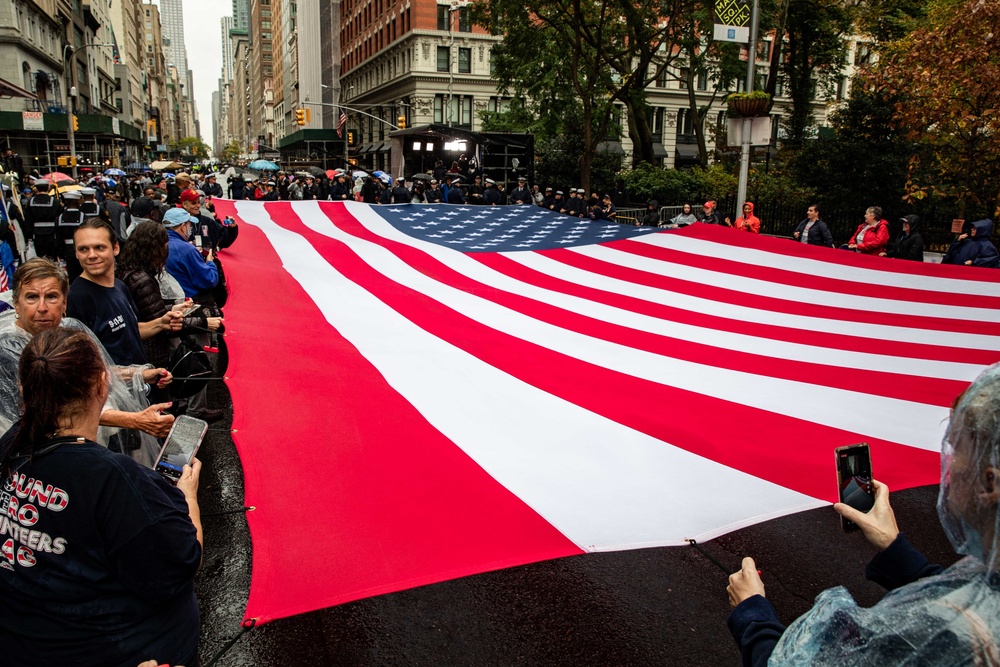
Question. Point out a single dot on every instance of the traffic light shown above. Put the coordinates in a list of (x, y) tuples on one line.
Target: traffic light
[(350, 137), (300, 116), (309, 115), (401, 121), (76, 123)]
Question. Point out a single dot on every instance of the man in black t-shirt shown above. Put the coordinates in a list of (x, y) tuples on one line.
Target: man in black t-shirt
[(103, 303)]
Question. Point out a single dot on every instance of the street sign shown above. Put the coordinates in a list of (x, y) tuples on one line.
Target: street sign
[(271, 156)]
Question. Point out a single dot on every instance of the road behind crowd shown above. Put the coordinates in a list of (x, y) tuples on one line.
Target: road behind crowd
[(663, 606)]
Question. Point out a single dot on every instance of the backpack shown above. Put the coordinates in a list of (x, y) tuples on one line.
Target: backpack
[(188, 360)]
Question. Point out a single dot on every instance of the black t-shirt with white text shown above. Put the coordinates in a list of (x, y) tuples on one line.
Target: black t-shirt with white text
[(97, 562), (111, 314)]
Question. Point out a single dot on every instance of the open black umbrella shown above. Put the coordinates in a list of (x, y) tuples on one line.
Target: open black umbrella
[(316, 171), (423, 177)]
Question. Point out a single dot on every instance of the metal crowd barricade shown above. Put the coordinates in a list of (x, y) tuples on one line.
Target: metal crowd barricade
[(630, 216)]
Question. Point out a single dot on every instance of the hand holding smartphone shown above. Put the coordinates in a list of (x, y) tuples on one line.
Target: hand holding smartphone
[(854, 480), (180, 447)]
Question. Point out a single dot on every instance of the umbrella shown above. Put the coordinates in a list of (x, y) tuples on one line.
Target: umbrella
[(316, 171), (114, 171), (423, 177), (263, 165), (59, 177), (249, 177), (330, 173), (303, 174), (68, 187), (359, 174), (167, 175), (386, 178)]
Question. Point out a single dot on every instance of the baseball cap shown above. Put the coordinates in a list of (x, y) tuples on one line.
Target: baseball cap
[(176, 217), (190, 195)]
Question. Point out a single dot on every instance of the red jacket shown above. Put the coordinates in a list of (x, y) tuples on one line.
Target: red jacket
[(876, 238)]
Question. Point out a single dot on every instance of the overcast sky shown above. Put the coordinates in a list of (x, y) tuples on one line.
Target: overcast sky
[(203, 40)]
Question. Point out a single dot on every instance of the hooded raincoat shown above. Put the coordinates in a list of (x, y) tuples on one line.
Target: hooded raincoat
[(909, 246), (931, 616), (978, 249), (750, 223)]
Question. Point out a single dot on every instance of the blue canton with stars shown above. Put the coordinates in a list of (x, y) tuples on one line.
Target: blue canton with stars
[(501, 228)]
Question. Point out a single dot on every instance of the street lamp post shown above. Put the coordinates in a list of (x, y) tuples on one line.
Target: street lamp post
[(68, 52)]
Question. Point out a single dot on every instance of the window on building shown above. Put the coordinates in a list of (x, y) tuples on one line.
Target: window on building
[(702, 80), (498, 104), (439, 108), (464, 60), (464, 20), (685, 123), (442, 16), (764, 50), (682, 78), (661, 76), (443, 59), (862, 54), (842, 88)]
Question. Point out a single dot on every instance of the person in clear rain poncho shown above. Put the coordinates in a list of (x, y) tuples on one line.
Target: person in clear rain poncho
[(128, 422), (930, 616)]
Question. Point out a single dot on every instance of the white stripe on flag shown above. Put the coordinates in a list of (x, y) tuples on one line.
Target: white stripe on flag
[(723, 339), (744, 313), (603, 485), (913, 424), (823, 269), (758, 287)]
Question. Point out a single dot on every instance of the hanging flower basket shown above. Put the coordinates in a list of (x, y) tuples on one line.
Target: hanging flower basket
[(749, 105)]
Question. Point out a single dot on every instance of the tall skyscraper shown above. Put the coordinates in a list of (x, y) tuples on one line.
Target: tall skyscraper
[(172, 16), (241, 14)]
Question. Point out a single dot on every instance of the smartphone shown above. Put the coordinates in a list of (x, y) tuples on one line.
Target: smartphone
[(854, 480), (190, 311), (180, 447)]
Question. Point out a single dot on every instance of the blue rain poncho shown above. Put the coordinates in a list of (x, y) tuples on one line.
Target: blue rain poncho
[(950, 618)]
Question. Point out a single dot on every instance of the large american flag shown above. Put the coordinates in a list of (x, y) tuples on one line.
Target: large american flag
[(427, 391)]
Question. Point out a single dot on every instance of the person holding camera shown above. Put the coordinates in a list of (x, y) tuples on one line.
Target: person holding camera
[(931, 616)]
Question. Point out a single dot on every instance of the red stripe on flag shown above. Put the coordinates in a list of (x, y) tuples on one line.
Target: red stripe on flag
[(743, 270), (718, 234), (530, 276), (351, 484), (734, 435), (903, 387), (766, 303)]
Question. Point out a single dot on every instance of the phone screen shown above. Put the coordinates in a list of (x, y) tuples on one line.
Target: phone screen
[(854, 478), (180, 447)]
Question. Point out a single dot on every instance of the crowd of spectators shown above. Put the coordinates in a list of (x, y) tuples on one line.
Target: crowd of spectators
[(103, 299)]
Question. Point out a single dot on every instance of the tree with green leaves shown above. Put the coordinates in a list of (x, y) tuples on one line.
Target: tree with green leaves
[(544, 57), (946, 77), (815, 53)]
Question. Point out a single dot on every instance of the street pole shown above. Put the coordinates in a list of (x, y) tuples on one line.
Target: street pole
[(741, 194), (73, 92)]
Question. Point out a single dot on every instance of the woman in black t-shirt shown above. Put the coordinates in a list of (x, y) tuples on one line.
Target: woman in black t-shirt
[(102, 553)]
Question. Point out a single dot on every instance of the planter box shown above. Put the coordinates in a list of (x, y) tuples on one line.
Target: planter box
[(749, 108)]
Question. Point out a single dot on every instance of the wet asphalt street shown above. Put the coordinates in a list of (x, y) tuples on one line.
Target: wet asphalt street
[(664, 606)]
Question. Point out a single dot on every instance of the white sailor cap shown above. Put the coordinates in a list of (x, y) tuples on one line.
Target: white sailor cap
[(88, 191), (41, 181), (72, 194), (490, 181)]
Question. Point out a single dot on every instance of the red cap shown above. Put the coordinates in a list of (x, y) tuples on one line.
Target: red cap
[(190, 195)]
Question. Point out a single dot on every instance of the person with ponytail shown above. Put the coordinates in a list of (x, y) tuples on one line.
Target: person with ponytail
[(128, 423), (102, 553)]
